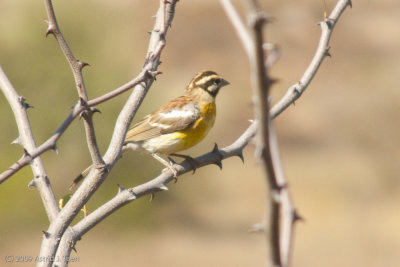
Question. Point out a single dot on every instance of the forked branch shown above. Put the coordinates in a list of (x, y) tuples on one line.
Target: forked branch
[(97, 175)]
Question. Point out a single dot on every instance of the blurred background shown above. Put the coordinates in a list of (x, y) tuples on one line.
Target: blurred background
[(340, 143)]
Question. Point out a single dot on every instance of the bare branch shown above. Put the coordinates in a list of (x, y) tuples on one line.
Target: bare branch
[(97, 175), (145, 74), (296, 90), (238, 25), (76, 110), (261, 83), (279, 233), (125, 196), (76, 67), (26, 140)]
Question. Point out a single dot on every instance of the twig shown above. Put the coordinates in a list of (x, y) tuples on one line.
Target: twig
[(76, 67), (159, 183), (238, 25), (297, 89), (26, 140), (50, 143), (97, 175), (282, 246)]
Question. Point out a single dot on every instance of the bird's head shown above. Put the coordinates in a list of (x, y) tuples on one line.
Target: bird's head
[(207, 81)]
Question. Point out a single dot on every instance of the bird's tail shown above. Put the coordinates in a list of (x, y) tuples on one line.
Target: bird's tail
[(80, 177), (83, 174)]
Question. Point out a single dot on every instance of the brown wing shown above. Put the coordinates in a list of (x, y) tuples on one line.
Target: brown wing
[(176, 115)]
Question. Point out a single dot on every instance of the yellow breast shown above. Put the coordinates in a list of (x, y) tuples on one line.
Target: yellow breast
[(181, 140), (194, 134)]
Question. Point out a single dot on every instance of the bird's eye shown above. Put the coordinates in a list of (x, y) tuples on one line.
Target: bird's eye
[(217, 81)]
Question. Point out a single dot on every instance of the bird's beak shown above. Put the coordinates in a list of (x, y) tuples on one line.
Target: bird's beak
[(224, 83)]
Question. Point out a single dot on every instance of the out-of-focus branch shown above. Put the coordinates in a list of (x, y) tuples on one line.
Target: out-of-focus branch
[(238, 25), (26, 140), (53, 235), (297, 89), (76, 67), (280, 231), (261, 83)]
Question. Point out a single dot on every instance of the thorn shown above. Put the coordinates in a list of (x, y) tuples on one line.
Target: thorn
[(149, 32), (163, 187), (82, 64), (329, 23), (120, 188), (273, 81), (153, 74), (82, 103), (46, 234), (240, 155), (349, 3), (74, 248), (193, 163), (216, 151), (26, 154), (257, 228), (32, 183), (296, 89), (296, 216), (21, 100), (16, 141), (282, 186), (50, 29), (54, 147), (132, 197), (327, 52), (152, 196), (94, 110), (219, 164)]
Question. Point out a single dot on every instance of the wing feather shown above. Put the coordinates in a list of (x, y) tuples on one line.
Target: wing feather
[(176, 115)]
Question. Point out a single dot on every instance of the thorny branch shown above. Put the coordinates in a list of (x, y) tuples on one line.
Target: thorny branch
[(76, 67), (279, 221), (141, 83), (27, 141), (57, 228), (261, 83)]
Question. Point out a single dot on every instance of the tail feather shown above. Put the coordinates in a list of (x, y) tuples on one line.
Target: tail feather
[(80, 177), (83, 174)]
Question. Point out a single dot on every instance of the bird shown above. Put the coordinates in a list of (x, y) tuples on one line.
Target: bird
[(178, 125)]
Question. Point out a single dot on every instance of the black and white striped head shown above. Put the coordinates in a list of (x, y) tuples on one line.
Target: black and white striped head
[(207, 81)]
